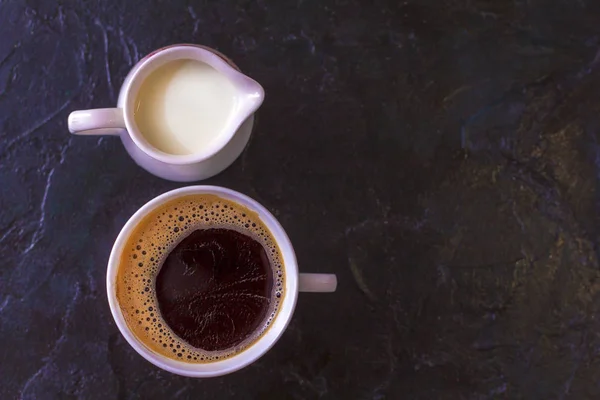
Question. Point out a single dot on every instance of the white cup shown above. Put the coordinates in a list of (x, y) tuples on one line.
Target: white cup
[(209, 161), (294, 283)]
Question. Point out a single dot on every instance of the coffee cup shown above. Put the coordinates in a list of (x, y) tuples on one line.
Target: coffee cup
[(164, 223), (184, 113)]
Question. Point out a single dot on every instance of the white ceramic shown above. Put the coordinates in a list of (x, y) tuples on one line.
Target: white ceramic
[(294, 282), (182, 168)]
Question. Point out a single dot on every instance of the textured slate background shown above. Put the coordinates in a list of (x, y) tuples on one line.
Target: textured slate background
[(442, 157)]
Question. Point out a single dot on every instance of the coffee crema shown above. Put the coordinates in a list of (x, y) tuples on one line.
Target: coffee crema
[(193, 314)]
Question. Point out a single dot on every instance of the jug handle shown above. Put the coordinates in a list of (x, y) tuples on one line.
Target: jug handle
[(99, 121)]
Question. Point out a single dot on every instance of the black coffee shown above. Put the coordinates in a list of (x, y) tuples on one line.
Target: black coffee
[(214, 288), (200, 279)]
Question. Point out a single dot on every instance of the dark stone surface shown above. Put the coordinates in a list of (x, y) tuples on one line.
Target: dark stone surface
[(442, 157)]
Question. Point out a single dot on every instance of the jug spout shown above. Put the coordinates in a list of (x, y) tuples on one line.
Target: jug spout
[(250, 97), (249, 93)]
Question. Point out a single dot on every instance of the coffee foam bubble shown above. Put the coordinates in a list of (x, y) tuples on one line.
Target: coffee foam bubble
[(151, 242)]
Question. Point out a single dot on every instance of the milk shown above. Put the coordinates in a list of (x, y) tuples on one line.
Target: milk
[(183, 106)]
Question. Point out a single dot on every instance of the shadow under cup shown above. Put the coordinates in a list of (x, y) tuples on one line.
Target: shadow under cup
[(256, 347)]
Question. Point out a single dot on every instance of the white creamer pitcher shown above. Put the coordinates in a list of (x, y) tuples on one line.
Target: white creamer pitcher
[(207, 161)]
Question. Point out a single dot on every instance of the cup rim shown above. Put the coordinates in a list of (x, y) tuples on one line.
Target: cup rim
[(256, 349), (184, 51)]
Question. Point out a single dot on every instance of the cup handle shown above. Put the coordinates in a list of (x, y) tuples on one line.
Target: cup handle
[(100, 121), (324, 283)]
